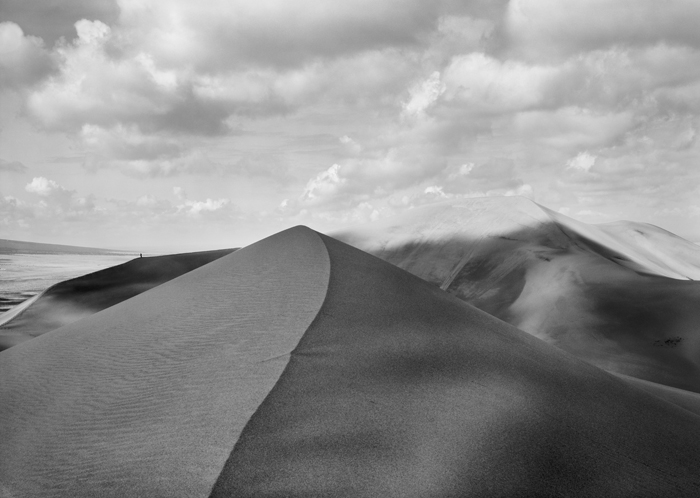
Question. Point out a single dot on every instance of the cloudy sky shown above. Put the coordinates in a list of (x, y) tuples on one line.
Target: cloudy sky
[(176, 124)]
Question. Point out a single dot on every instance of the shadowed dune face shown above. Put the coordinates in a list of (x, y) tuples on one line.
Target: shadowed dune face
[(71, 300), (563, 287), (398, 389), (300, 366)]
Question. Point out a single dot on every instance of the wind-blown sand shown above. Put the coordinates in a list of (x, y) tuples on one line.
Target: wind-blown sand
[(147, 397), (393, 388), (595, 291), (71, 300)]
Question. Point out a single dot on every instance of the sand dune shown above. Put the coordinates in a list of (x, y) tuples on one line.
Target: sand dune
[(71, 300), (147, 397), (13, 246), (300, 366), (594, 291)]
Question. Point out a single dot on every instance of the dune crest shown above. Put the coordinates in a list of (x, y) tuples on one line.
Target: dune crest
[(400, 390), (147, 397), (588, 289), (77, 298), (300, 366)]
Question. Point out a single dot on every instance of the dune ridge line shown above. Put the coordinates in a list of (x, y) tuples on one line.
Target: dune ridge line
[(147, 397)]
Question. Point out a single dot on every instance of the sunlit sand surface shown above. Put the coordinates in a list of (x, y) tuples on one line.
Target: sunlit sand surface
[(300, 366)]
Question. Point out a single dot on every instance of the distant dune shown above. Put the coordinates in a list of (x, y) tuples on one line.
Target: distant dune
[(621, 296), (18, 246), (71, 300), (300, 366)]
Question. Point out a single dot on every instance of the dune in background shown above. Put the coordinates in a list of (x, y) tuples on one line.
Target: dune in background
[(18, 246), (71, 300), (300, 366), (620, 296)]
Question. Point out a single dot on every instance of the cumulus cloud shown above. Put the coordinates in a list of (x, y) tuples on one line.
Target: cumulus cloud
[(96, 88), (194, 208), (582, 162), (44, 187), (23, 59), (424, 95), (59, 202), (348, 111), (52, 20), (324, 185)]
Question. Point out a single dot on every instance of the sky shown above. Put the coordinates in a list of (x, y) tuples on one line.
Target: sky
[(180, 125)]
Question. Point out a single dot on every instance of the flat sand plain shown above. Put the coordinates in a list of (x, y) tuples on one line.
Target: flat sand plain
[(300, 366)]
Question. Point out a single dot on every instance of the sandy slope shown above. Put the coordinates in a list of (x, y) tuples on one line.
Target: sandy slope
[(393, 388), (641, 247), (591, 290), (71, 300), (685, 399), (400, 390), (147, 397)]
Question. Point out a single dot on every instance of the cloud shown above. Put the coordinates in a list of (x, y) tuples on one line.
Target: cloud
[(273, 32), (12, 166), (349, 111), (14, 212), (573, 127), (484, 84), (548, 28), (54, 19), (44, 187), (196, 208), (582, 162), (324, 185), (424, 95), (23, 59), (95, 88), (58, 202), (192, 208)]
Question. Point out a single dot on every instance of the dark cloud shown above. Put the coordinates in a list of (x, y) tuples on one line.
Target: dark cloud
[(13, 166), (52, 19), (23, 59), (542, 29)]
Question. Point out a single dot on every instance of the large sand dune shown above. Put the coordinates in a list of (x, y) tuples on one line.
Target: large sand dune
[(147, 397), (620, 296), (300, 366), (71, 300)]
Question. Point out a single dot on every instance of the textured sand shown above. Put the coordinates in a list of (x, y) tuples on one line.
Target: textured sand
[(685, 399), (147, 398), (300, 366), (598, 292), (71, 300), (400, 390)]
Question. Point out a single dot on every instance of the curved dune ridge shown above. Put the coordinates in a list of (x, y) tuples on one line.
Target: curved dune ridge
[(300, 366), (595, 291), (71, 300), (147, 397)]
